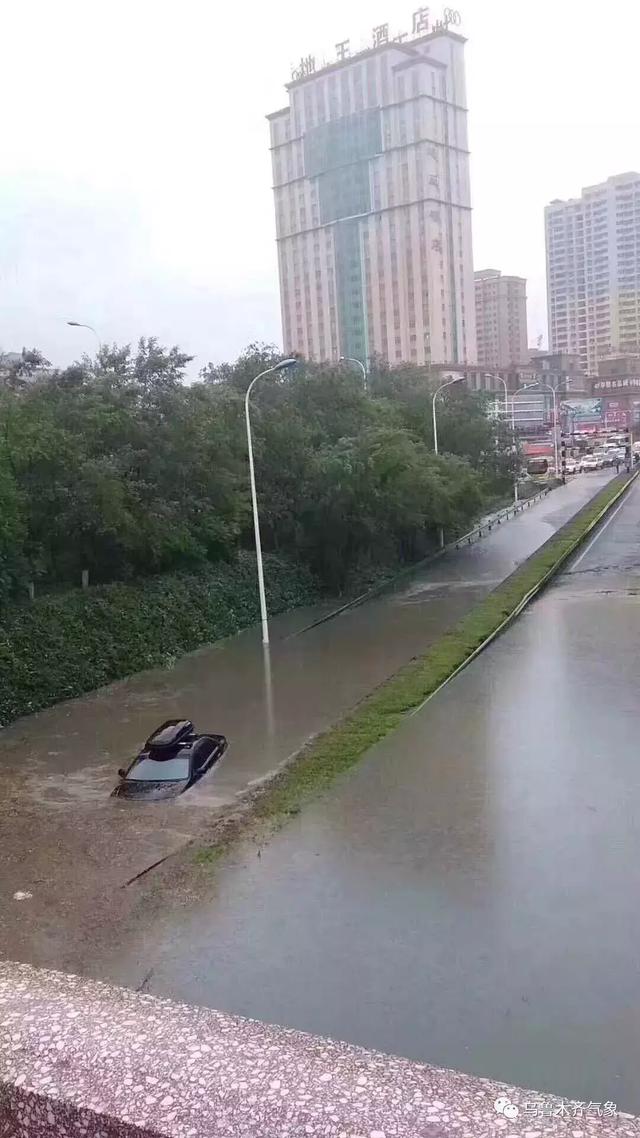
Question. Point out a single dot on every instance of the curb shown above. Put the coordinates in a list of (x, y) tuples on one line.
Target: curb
[(533, 593), (451, 546)]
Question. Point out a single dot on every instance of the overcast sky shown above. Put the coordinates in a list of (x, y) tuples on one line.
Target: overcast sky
[(134, 167)]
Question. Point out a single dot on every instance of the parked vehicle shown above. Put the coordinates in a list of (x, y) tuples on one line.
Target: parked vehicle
[(604, 457), (571, 466), (537, 466), (589, 462), (172, 760)]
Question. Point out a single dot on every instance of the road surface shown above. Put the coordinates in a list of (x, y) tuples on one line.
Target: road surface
[(468, 894), (71, 846)]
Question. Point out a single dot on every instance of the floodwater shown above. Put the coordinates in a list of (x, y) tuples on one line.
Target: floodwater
[(467, 895), (73, 848), (69, 754)]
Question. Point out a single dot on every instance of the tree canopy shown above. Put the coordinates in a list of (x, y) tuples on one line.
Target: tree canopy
[(118, 465)]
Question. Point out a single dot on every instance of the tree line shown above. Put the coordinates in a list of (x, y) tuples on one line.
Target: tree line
[(119, 465)]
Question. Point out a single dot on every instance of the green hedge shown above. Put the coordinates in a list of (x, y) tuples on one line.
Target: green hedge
[(64, 645)]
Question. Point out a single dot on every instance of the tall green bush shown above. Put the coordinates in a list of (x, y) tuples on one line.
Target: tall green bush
[(64, 645)]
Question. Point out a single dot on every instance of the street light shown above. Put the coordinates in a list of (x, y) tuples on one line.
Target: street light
[(77, 324), (284, 365), (541, 383), (352, 360), (488, 375), (457, 379)]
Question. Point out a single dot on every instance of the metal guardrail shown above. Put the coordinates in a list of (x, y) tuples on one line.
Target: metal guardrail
[(537, 588), (497, 520), (466, 539)]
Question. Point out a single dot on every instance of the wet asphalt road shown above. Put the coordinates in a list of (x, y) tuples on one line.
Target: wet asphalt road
[(66, 842), (468, 894)]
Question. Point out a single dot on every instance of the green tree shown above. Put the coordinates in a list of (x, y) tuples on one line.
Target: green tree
[(120, 465), (18, 373), (255, 359)]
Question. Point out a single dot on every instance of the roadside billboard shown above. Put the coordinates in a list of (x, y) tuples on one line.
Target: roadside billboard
[(579, 413)]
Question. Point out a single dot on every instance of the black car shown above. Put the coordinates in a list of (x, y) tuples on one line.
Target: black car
[(171, 761)]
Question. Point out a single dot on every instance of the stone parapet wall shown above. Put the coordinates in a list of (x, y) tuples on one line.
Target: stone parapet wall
[(79, 1057)]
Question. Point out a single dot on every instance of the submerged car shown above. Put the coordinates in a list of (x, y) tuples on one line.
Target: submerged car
[(172, 759)]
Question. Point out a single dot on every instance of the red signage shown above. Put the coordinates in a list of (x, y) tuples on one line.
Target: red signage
[(538, 450), (615, 418)]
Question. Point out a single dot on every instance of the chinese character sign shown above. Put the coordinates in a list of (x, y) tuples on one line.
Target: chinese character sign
[(342, 49), (306, 66), (380, 35), (420, 21)]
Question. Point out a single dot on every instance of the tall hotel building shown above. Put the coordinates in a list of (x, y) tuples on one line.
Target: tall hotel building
[(372, 200), (593, 271)]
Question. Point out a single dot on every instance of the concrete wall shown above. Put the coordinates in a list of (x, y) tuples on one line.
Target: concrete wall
[(79, 1057)]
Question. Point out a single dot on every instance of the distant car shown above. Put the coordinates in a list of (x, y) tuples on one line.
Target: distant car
[(571, 466), (172, 760), (590, 462)]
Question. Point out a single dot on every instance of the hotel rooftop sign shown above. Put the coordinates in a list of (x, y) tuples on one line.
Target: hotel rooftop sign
[(421, 24)]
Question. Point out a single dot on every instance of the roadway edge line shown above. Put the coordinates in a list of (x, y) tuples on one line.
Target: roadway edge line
[(532, 594), (451, 546), (590, 544)]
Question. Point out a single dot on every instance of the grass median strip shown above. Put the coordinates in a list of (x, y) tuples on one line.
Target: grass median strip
[(317, 765)]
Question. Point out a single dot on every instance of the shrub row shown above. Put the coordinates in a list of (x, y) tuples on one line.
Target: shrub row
[(64, 645)]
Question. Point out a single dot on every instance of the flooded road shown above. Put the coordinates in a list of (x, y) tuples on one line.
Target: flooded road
[(69, 753), (73, 848), (467, 895)]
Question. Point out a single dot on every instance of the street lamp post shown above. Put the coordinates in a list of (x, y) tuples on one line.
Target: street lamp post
[(541, 383), (284, 365), (513, 426), (77, 324), (353, 360), (457, 379), (573, 411)]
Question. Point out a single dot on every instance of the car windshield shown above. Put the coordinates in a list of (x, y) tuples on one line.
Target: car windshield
[(165, 770)]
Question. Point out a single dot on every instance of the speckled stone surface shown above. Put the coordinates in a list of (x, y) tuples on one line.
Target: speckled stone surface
[(83, 1058)]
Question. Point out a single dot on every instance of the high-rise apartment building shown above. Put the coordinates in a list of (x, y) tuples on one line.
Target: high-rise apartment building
[(373, 214), (593, 271), (501, 319)]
